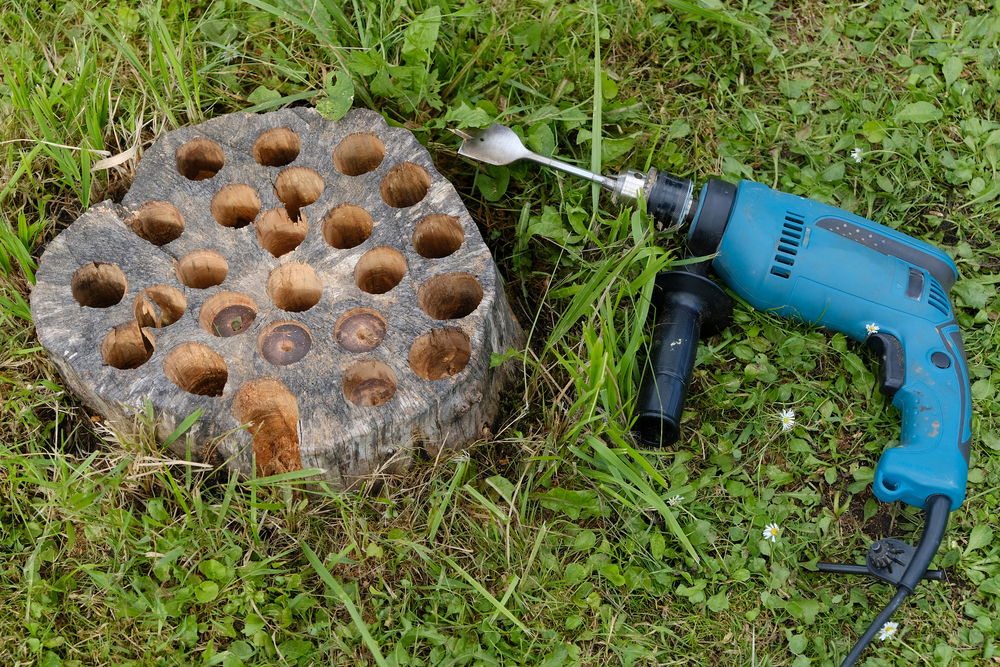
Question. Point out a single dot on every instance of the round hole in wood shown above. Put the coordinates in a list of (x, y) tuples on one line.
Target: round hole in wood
[(440, 353), (285, 342), (158, 222), (294, 287), (199, 159), (202, 268), (272, 415), (360, 330), (358, 154), (127, 346), (347, 226), (277, 147), (159, 306), (227, 314), (98, 285), (369, 383), (196, 369), (379, 270), (278, 233), (298, 187), (405, 185), (450, 296), (438, 236), (235, 205)]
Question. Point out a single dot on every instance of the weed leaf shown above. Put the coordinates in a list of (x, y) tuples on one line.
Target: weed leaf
[(465, 116), (339, 96), (421, 35), (262, 95), (919, 112)]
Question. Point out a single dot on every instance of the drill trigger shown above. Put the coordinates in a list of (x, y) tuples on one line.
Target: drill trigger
[(892, 370)]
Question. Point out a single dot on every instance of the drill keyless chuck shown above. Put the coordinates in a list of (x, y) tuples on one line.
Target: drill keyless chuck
[(668, 198)]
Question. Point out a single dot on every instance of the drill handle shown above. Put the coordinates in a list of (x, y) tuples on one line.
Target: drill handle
[(933, 395), (687, 306)]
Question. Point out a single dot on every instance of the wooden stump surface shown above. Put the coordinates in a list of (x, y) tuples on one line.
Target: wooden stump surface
[(316, 282)]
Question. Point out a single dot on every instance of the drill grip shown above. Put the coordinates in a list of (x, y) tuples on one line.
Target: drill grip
[(688, 305), (935, 436)]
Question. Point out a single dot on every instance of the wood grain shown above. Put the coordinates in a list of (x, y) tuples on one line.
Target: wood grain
[(316, 287)]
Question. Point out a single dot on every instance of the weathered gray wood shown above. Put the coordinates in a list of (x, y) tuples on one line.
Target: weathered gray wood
[(256, 269)]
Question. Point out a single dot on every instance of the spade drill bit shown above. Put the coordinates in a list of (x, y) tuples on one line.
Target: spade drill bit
[(668, 198)]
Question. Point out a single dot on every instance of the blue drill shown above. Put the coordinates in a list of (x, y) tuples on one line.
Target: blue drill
[(803, 260), (807, 261)]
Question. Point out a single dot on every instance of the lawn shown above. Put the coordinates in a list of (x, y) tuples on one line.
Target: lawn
[(555, 540)]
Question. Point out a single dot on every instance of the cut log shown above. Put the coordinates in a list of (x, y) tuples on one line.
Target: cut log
[(315, 287)]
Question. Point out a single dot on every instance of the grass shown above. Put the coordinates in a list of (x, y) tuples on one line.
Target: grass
[(554, 542)]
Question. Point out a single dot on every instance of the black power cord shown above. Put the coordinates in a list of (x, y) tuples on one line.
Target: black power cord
[(938, 508)]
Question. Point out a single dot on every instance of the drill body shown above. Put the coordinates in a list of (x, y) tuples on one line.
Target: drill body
[(826, 267)]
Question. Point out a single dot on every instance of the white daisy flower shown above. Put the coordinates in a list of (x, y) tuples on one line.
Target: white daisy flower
[(872, 328), (771, 532), (857, 153), (787, 420), (229, 53), (676, 500), (888, 630)]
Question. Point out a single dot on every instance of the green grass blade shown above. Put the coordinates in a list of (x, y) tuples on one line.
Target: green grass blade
[(281, 101), (486, 594), (281, 478), (682, 6), (632, 482), (13, 304), (597, 123), (439, 509), (359, 622), (183, 427)]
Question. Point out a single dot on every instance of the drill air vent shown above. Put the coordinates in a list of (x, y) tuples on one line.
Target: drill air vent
[(788, 244), (937, 298)]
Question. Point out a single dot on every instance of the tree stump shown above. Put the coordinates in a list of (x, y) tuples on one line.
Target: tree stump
[(317, 283)]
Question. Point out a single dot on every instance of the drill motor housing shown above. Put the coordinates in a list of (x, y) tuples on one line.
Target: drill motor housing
[(818, 264)]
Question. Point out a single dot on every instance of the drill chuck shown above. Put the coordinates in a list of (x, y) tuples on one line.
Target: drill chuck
[(668, 197)]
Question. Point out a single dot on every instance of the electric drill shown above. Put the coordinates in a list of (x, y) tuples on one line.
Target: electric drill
[(803, 260), (811, 262), (808, 261)]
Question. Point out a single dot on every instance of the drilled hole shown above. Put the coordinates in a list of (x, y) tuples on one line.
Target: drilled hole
[(298, 187), (379, 270), (196, 369), (159, 306), (199, 159), (158, 222), (227, 314), (438, 236), (127, 346), (277, 147), (358, 154), (283, 343), (272, 415), (235, 205), (360, 330), (294, 287), (278, 233), (369, 383), (202, 268), (347, 226), (440, 354), (450, 296), (405, 185), (98, 285)]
